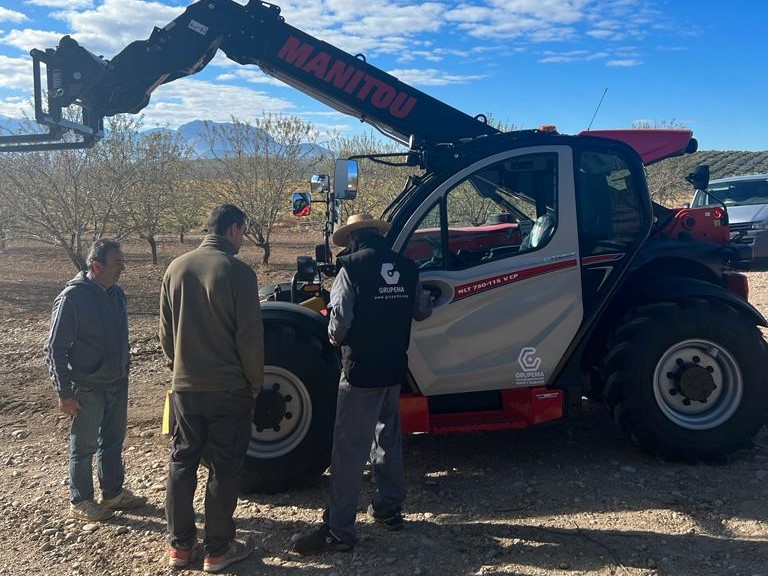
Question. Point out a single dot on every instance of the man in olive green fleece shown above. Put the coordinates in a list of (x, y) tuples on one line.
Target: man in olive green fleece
[(212, 335)]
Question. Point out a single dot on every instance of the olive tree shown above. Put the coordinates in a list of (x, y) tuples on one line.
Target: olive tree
[(666, 184)]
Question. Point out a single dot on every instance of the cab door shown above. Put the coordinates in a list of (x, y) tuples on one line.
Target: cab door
[(496, 245)]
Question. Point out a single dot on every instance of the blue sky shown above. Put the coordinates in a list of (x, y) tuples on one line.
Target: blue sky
[(701, 63)]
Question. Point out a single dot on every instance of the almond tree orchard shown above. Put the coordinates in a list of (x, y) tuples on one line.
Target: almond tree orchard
[(256, 167)]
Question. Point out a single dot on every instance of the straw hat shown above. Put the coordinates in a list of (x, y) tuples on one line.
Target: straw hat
[(357, 222)]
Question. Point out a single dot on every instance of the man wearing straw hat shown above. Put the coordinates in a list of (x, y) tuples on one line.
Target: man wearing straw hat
[(374, 298)]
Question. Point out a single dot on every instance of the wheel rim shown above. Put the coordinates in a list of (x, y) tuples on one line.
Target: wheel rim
[(282, 416), (698, 384)]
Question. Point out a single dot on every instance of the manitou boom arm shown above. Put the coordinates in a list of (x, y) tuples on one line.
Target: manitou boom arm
[(252, 34)]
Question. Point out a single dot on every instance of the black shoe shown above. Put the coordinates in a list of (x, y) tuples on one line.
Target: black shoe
[(321, 540), (393, 522)]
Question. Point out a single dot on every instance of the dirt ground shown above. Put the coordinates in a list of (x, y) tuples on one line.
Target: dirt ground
[(569, 498)]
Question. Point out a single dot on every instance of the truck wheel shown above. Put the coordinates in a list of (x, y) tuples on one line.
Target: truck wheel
[(292, 429), (685, 378)]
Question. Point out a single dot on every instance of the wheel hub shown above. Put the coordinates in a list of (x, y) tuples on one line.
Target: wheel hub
[(694, 382), (282, 414), (269, 409), (698, 384)]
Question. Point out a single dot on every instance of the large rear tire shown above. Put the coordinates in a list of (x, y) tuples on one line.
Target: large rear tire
[(685, 379), (292, 429)]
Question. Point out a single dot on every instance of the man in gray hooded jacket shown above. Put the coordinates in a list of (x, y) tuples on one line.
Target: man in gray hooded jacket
[(87, 356)]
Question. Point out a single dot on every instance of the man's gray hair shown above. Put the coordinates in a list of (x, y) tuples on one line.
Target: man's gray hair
[(100, 249)]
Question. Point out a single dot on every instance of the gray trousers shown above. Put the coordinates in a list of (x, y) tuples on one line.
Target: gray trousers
[(367, 427)]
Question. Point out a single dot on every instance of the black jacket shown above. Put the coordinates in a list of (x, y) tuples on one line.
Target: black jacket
[(374, 351)]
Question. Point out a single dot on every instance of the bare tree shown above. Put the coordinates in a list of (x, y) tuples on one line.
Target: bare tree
[(258, 164), (68, 198), (159, 164), (186, 208), (7, 214), (379, 182), (467, 208), (46, 192)]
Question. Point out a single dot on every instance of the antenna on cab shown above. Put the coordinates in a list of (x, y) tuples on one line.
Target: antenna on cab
[(598, 108)]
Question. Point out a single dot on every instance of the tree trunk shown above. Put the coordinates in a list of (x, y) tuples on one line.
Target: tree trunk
[(153, 245), (77, 259), (267, 252)]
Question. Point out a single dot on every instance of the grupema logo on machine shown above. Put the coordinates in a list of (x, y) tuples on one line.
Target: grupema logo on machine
[(531, 375)]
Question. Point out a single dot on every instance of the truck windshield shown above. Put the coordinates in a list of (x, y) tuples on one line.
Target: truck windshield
[(741, 193)]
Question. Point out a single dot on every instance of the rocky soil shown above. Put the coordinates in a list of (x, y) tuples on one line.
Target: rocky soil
[(570, 498)]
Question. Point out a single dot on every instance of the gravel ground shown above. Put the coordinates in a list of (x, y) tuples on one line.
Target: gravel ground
[(568, 498)]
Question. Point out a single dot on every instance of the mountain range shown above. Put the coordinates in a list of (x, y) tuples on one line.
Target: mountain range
[(722, 163), (193, 133)]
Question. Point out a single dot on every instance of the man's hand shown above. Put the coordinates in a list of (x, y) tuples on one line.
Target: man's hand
[(69, 406)]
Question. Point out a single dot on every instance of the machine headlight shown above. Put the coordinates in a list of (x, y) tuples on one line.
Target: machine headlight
[(759, 225)]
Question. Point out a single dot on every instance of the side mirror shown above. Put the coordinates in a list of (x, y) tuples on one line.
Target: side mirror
[(699, 178), (345, 179), (319, 184), (301, 203)]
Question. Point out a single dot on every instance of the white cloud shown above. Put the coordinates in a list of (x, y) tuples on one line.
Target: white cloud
[(535, 20), (7, 15), (114, 24), (382, 27), (432, 77), (17, 73), (17, 107), (603, 34), (251, 75), (62, 4), (623, 63), (184, 100), (28, 38), (560, 57)]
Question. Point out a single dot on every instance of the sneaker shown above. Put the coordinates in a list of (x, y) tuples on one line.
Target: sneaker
[(180, 558), (125, 500), (90, 511), (320, 540), (237, 550), (392, 522)]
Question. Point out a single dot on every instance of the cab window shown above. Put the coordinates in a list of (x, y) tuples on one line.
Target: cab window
[(610, 203), (503, 209)]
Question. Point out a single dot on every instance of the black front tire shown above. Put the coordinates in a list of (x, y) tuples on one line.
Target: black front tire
[(292, 431), (685, 379)]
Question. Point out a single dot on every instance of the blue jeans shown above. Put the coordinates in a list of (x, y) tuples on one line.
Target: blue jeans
[(367, 429), (98, 429)]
